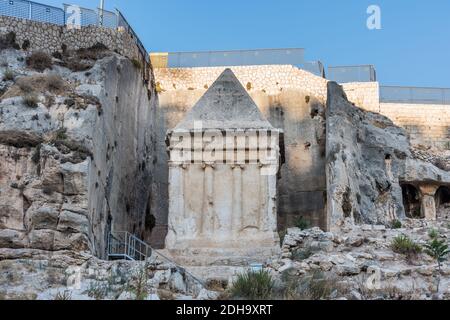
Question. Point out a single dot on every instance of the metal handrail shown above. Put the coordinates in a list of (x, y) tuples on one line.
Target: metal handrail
[(122, 245), (127, 246)]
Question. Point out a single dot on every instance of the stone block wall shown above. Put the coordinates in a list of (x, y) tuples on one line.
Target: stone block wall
[(50, 37), (365, 95), (270, 79), (427, 124)]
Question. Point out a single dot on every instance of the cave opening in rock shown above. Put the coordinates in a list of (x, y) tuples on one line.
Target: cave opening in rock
[(443, 201), (411, 202)]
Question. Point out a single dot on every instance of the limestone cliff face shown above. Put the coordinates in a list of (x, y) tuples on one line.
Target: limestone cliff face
[(75, 154), (368, 159)]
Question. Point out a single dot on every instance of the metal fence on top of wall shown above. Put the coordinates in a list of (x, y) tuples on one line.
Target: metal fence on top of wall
[(414, 95), (31, 10), (345, 74)]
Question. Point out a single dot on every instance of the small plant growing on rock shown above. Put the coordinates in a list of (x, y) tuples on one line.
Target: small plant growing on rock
[(61, 134), (138, 285), (438, 250), (54, 83), (98, 290), (314, 286), (39, 61), (397, 224), (136, 63), (8, 75), (433, 234), (63, 296), (404, 245), (31, 100), (302, 224), (253, 286)]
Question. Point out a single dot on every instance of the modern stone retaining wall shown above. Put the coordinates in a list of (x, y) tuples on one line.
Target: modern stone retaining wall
[(270, 79), (51, 38), (365, 95), (427, 124)]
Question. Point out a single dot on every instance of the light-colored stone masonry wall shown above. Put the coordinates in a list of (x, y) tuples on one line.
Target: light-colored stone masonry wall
[(427, 124), (50, 37), (365, 95), (270, 79)]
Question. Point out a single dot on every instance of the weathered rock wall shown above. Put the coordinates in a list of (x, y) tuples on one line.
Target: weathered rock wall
[(426, 124), (79, 163), (368, 158)]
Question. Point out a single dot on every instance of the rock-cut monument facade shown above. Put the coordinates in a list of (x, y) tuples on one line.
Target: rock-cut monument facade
[(223, 167)]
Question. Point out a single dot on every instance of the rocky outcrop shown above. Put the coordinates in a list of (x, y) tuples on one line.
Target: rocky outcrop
[(368, 160), (361, 260), (69, 276), (76, 157)]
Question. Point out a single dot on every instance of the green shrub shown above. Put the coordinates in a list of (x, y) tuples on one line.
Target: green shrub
[(39, 61), (302, 224), (31, 100), (8, 75), (397, 224), (98, 290), (433, 234), (404, 245), (138, 284), (438, 250), (253, 286), (63, 296)]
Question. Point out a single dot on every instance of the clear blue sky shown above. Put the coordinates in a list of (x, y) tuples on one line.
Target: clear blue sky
[(413, 47)]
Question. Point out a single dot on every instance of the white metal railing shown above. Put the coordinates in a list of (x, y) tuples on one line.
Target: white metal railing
[(124, 245)]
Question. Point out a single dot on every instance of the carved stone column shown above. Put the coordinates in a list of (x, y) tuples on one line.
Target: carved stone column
[(208, 218), (428, 202), (236, 221)]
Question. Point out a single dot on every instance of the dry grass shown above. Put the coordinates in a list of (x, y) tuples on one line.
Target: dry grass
[(38, 84), (314, 286), (8, 41), (39, 61), (31, 100), (82, 59), (9, 75), (55, 83)]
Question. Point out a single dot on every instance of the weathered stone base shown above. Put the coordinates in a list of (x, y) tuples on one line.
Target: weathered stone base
[(231, 257)]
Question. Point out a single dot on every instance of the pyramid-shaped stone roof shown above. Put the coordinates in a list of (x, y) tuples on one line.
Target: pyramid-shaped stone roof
[(226, 105)]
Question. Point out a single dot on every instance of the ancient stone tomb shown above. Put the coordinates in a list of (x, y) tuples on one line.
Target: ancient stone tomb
[(224, 161)]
